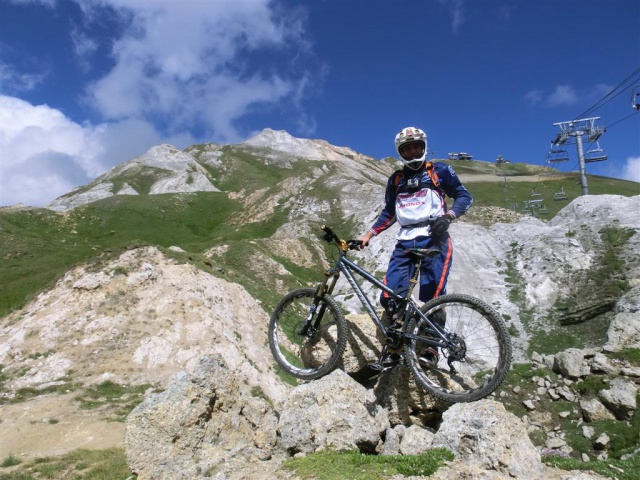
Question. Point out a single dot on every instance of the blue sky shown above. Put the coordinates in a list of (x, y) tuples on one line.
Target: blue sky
[(88, 84)]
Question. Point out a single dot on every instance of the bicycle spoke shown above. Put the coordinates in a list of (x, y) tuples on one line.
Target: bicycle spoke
[(477, 356), (310, 355)]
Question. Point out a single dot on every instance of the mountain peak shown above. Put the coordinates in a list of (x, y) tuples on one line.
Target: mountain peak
[(282, 141)]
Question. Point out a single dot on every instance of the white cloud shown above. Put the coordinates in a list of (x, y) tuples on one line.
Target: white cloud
[(83, 47), (456, 8), (534, 96), (14, 81), (631, 170), (567, 95), (43, 154), (196, 63), (563, 95)]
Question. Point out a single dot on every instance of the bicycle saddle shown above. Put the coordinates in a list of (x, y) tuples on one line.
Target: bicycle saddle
[(424, 252)]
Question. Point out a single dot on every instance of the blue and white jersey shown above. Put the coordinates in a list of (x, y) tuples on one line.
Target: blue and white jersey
[(412, 197)]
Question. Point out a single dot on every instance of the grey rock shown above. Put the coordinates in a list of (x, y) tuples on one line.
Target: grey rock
[(334, 412), (416, 440), (620, 398), (570, 363), (485, 435), (601, 442), (592, 410), (393, 436), (601, 364), (200, 421)]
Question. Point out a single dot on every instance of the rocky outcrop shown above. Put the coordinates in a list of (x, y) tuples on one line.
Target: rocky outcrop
[(198, 423), (208, 424)]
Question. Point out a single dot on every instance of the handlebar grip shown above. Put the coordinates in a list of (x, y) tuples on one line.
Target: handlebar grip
[(355, 244)]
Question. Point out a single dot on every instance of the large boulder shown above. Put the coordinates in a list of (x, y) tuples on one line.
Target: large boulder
[(620, 398), (334, 412), (484, 435), (201, 421)]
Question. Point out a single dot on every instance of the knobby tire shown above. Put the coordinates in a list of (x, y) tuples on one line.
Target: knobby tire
[(487, 345), (298, 355)]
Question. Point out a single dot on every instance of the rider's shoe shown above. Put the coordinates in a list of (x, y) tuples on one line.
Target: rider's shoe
[(388, 361), (429, 358)]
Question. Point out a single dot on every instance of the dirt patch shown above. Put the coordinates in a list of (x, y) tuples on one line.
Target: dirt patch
[(54, 425)]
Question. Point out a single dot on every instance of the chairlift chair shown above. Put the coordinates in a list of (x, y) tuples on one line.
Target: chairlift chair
[(635, 97), (534, 194), (560, 195), (543, 209), (595, 155), (557, 155)]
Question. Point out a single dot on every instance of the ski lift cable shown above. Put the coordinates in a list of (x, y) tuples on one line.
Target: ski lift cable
[(622, 119), (604, 103), (599, 103)]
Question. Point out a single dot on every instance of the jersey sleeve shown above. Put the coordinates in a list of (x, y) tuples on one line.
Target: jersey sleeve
[(450, 183), (387, 216)]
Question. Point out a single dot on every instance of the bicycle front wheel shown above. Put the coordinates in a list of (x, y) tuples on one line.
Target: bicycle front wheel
[(316, 351), (478, 356)]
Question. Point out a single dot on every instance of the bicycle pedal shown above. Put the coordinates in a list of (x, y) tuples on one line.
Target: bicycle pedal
[(377, 366)]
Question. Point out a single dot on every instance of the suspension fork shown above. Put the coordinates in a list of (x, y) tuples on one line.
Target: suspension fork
[(310, 326)]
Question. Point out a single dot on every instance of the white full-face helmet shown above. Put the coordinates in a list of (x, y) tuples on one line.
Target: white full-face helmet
[(407, 136)]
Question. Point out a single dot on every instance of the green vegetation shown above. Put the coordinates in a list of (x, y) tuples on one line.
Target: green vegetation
[(259, 393), (141, 178), (611, 468), (624, 435), (123, 398), (631, 355), (81, 464), (10, 461), (38, 246), (505, 194), (327, 465)]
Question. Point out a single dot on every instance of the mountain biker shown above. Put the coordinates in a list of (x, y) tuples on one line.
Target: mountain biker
[(415, 198)]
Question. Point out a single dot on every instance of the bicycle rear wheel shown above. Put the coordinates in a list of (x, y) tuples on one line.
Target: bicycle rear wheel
[(314, 354), (479, 355)]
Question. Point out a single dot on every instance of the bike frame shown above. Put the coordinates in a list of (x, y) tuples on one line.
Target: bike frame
[(349, 268)]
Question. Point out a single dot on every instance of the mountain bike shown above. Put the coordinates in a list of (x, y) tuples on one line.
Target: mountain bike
[(308, 332)]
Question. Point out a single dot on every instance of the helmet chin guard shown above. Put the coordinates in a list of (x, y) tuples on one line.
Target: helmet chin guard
[(415, 163)]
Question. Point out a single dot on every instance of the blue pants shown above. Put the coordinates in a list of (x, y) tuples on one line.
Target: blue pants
[(433, 273)]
